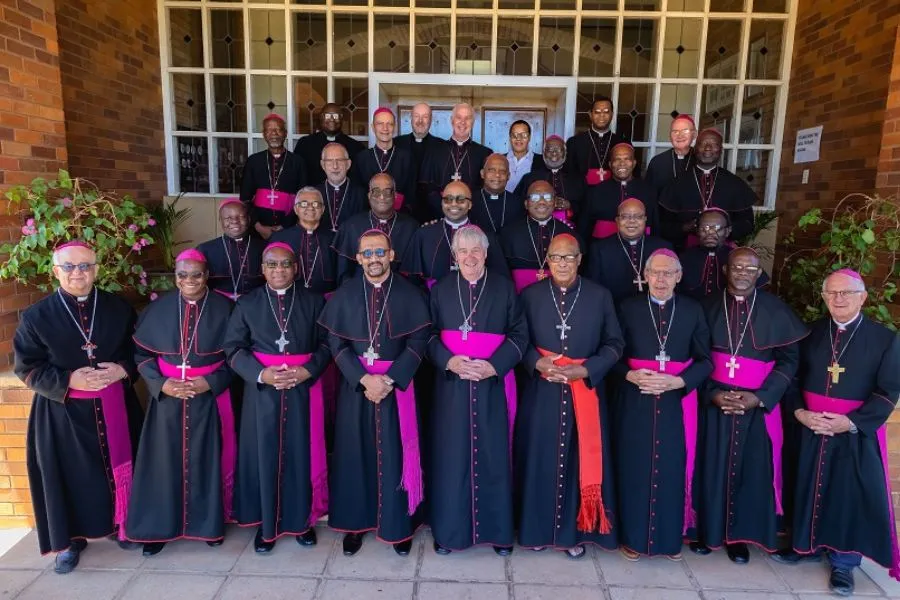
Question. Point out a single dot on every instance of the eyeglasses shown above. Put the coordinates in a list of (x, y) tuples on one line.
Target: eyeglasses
[(832, 294), (557, 258), (601, 111), (745, 268), (274, 264), (663, 274), (519, 136), (548, 197), (334, 162), (370, 252), (686, 131), (715, 227), (632, 217), (382, 193), (83, 267), (309, 204), (554, 149), (192, 275), (455, 199), (333, 116)]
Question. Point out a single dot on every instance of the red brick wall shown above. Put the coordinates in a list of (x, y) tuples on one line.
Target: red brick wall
[(15, 498)]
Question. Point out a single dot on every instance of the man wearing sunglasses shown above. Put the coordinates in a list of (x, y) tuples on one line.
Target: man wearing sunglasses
[(74, 350), (316, 268), (234, 258), (378, 325), (184, 471), (310, 147)]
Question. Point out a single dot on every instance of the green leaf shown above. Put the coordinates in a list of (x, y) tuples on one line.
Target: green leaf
[(88, 233), (65, 181), (868, 236)]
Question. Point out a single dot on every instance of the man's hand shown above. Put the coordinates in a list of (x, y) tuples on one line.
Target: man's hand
[(198, 385), (376, 388), (464, 367), (85, 379), (659, 383), (482, 369), (837, 423), (814, 421), (640, 378), (729, 402), (748, 400), (574, 372), (110, 372), (551, 372), (178, 388)]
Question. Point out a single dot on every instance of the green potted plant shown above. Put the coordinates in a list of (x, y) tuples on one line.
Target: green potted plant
[(168, 218)]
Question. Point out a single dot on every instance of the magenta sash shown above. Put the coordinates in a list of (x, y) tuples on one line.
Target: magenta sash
[(118, 440), (522, 278), (318, 470), (226, 420), (750, 375), (429, 283), (819, 403), (689, 422), (482, 346), (412, 480), (230, 296), (398, 200), (604, 229), (274, 200), (594, 176)]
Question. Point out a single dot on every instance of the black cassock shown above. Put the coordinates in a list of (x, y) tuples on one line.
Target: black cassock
[(471, 479), (695, 191), (263, 171), (367, 465), (400, 228), (235, 265), (70, 471), (418, 149), (842, 499), (178, 489), (342, 202), (590, 150), (569, 186), (274, 482), (734, 482), (702, 272), (547, 456), (428, 255), (601, 203), (525, 244), (649, 438), (316, 259), (616, 264), (398, 163), (446, 159), (666, 167), (310, 147), (493, 212)]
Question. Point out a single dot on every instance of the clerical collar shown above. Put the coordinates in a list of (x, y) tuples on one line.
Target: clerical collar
[(276, 156), (380, 283), (738, 298), (493, 196), (82, 298), (191, 302), (542, 223), (456, 226), (706, 171), (310, 231), (382, 150), (556, 170), (238, 239), (461, 143), (657, 301), (562, 289), (480, 277), (843, 326), (633, 242), (330, 138), (281, 292), (338, 186), (598, 132), (383, 221), (680, 156), (419, 139)]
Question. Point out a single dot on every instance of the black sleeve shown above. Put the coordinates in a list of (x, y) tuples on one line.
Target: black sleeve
[(32, 364)]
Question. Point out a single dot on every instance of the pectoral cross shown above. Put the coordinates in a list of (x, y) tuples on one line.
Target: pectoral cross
[(601, 173), (281, 342), (541, 275), (272, 197), (454, 267), (835, 369), (563, 328), (456, 177), (183, 367), (663, 358), (89, 349), (370, 355), (465, 328), (732, 364), (639, 283)]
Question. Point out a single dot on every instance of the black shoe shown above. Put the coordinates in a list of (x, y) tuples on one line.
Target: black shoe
[(126, 545), (841, 582), (403, 548), (503, 550), (260, 545), (79, 544), (352, 543), (441, 550), (738, 553), (67, 560), (698, 548), (153, 548), (214, 543), (308, 537), (789, 557)]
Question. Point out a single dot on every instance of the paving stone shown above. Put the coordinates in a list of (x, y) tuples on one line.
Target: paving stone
[(288, 557), (552, 566), (654, 572), (474, 564), (345, 589), (463, 591), (879, 575), (80, 584), (13, 582), (25, 555), (106, 554), (733, 595), (196, 556), (813, 578), (622, 593), (152, 586), (556, 592), (715, 571), (376, 560), (269, 588)]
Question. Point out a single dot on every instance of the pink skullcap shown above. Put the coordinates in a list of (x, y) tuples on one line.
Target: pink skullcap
[(626, 144), (73, 244), (662, 252), (686, 118), (849, 273), (190, 254), (383, 109), (635, 199), (281, 245), (227, 201), (712, 130), (554, 137), (273, 117)]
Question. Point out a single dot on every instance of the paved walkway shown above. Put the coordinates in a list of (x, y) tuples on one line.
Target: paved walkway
[(233, 571)]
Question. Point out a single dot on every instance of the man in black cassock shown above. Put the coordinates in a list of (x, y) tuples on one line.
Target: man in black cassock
[(184, 471), (233, 259), (274, 343), (399, 227), (418, 144), (617, 262), (316, 260), (569, 187), (386, 157), (669, 165), (525, 242), (666, 361), (849, 386), (755, 353), (429, 256), (704, 265), (589, 151), (271, 178), (343, 197), (458, 159), (707, 185), (310, 147), (563, 469), (479, 335), (493, 207), (84, 416), (376, 474), (597, 217)]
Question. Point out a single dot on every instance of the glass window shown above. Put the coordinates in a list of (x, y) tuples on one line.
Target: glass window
[(557, 39), (189, 94), (515, 46), (391, 34), (598, 48), (764, 52), (267, 39), (432, 37), (310, 42), (473, 45), (186, 37), (681, 50), (231, 157), (723, 49), (351, 42), (230, 97), (227, 30)]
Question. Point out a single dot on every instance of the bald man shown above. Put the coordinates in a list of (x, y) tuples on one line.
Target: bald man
[(418, 143), (669, 165), (309, 147), (493, 207)]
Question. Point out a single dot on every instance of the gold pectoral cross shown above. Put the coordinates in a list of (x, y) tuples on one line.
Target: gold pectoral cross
[(835, 369)]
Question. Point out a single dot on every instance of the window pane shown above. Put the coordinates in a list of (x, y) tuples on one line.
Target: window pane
[(757, 120), (633, 111), (473, 45), (557, 38), (267, 39), (353, 96), (598, 48), (232, 154), (189, 98), (771, 6), (432, 44), (306, 2), (230, 97), (349, 2), (391, 43), (193, 165), (752, 166), (638, 44), (520, 4), (186, 37), (515, 46), (764, 58), (643, 4), (674, 100), (269, 95), (681, 51), (472, 4), (717, 108), (310, 42), (587, 93), (585, 5), (227, 30), (685, 5), (722, 45), (310, 94), (351, 42), (432, 4), (726, 5), (394, 3)]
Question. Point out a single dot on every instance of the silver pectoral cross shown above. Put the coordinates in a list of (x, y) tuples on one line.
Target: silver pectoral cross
[(465, 328), (183, 367), (663, 358), (281, 342), (272, 197), (601, 173), (370, 355), (456, 177), (639, 283), (89, 349), (454, 267), (563, 328), (732, 364)]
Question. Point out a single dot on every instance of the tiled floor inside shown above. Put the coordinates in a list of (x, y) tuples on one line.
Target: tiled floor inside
[(193, 571)]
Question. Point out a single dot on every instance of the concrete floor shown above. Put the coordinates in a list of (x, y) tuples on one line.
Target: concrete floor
[(193, 571)]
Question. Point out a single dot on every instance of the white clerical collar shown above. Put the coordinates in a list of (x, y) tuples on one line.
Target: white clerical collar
[(706, 171), (276, 156), (657, 301), (330, 138), (739, 298), (843, 326), (456, 226), (338, 186), (378, 284), (280, 292), (419, 139), (598, 132), (383, 150), (240, 239), (633, 242), (477, 279), (542, 223), (191, 302), (310, 231), (494, 196), (680, 156), (461, 143), (82, 298), (556, 170)]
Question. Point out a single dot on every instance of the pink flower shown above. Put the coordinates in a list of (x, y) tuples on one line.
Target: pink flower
[(143, 242), (151, 222), (133, 227), (153, 296), (136, 247), (143, 275), (66, 201), (28, 230), (29, 222)]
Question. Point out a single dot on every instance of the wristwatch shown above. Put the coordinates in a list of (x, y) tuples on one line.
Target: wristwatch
[(853, 428)]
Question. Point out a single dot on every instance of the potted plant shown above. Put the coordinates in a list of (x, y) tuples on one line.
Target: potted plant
[(168, 218)]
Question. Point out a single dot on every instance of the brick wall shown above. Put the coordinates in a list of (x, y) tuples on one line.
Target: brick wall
[(15, 498)]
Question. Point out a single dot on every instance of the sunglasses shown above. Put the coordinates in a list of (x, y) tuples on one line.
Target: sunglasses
[(274, 264), (541, 197), (309, 204), (369, 253), (192, 275), (83, 267)]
